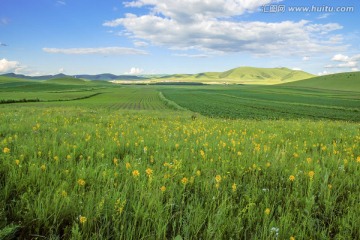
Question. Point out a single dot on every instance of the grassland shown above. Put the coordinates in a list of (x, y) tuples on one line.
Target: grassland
[(341, 81), (129, 163)]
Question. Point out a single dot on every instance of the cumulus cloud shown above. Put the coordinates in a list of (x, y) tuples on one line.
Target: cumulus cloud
[(106, 51), (134, 71), (306, 58), (340, 58), (208, 26), (8, 66), (61, 70), (192, 10), (345, 61)]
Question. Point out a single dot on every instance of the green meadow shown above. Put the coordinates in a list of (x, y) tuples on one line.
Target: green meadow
[(93, 160)]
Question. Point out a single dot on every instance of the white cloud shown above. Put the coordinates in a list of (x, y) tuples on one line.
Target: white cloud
[(297, 69), (135, 71), (191, 10), (348, 64), (345, 61), (8, 66), (140, 44), (340, 58), (208, 26), (324, 73), (106, 51), (323, 16), (61, 70), (192, 55), (306, 58), (355, 69)]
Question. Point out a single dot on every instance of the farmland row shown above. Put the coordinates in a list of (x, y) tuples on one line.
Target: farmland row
[(256, 104)]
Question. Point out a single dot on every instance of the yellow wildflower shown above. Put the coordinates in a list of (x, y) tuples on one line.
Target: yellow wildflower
[(136, 173), (202, 153), (82, 219), (198, 173), (358, 159), (56, 158), (6, 150), (149, 172), (292, 178), (163, 188), (329, 186), (81, 182), (292, 238), (43, 167), (218, 178), (233, 187), (267, 211), (177, 146), (184, 180), (17, 162), (311, 174), (116, 161), (309, 160), (64, 193), (296, 155), (268, 164), (127, 165)]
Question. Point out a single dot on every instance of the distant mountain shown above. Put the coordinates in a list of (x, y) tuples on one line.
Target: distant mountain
[(100, 77), (45, 77), (247, 75), (349, 81)]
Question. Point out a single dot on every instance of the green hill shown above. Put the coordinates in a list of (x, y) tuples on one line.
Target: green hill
[(244, 75), (68, 81), (5, 79), (349, 81)]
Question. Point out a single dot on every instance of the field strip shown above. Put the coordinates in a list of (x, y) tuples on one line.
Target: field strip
[(289, 103), (335, 94), (171, 104)]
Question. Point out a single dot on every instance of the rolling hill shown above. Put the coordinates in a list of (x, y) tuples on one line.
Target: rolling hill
[(349, 81), (244, 75), (67, 81)]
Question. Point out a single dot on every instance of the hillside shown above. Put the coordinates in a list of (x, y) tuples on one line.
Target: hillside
[(67, 81), (340, 81), (244, 75)]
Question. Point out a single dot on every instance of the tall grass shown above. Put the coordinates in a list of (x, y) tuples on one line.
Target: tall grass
[(74, 173)]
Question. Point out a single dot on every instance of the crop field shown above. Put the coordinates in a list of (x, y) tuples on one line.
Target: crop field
[(92, 95), (267, 102), (129, 163)]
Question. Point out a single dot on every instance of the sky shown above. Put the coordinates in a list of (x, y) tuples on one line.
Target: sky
[(39, 37)]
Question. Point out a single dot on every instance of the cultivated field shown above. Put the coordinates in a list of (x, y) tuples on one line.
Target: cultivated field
[(97, 161)]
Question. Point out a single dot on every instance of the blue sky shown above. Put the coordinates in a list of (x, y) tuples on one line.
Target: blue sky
[(179, 36)]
